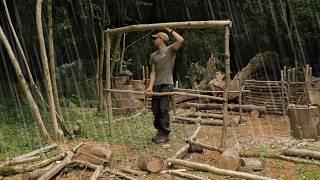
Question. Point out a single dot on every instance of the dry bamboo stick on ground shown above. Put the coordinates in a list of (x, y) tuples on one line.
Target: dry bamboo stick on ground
[(257, 155), (201, 121), (35, 152), (21, 161), (166, 94), (118, 174), (306, 153), (175, 25), (133, 172), (186, 175), (218, 171), (234, 107)]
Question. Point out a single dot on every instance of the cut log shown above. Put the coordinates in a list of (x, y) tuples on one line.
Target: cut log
[(252, 164), (305, 153), (85, 156), (58, 167), (254, 114), (229, 160), (218, 171), (232, 107), (206, 115), (36, 173), (101, 152), (302, 124), (152, 164)]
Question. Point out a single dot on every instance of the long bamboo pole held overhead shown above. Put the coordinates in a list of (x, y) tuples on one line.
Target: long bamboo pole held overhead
[(177, 25)]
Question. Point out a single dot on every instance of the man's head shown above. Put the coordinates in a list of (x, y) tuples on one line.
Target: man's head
[(160, 37)]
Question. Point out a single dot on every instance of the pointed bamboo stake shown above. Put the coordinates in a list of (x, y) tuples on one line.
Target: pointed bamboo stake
[(226, 89), (108, 82)]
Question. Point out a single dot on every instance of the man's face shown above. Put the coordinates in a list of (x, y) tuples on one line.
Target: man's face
[(157, 41)]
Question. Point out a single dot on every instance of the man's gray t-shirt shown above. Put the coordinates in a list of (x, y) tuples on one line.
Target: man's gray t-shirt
[(164, 62)]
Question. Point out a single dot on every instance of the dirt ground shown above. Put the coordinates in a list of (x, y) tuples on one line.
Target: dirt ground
[(262, 135)]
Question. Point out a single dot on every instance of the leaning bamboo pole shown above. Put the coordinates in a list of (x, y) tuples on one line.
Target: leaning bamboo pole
[(108, 81), (166, 94), (226, 87), (176, 25)]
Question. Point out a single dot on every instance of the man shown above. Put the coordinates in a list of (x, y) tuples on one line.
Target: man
[(161, 80)]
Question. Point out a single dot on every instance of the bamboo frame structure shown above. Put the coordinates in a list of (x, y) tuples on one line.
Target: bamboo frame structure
[(221, 24)]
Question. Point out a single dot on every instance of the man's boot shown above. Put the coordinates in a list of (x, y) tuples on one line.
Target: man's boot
[(156, 137), (163, 138)]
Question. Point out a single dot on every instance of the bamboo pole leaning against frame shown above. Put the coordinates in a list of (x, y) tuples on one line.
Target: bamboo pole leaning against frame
[(178, 25), (226, 88), (108, 81)]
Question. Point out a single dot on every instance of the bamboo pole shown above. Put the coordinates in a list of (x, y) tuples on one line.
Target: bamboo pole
[(218, 171), (166, 94), (233, 107), (187, 175), (282, 94), (240, 98), (204, 91), (175, 25), (35, 152), (201, 121), (108, 82), (226, 88)]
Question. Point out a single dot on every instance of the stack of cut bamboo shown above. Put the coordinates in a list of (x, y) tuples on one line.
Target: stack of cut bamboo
[(270, 94)]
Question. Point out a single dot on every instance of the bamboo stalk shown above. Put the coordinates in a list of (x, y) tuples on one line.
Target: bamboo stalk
[(204, 115), (186, 175), (175, 25), (224, 129), (133, 172), (21, 161), (108, 79), (35, 152), (233, 107), (165, 94), (201, 121), (118, 174), (218, 171), (204, 91)]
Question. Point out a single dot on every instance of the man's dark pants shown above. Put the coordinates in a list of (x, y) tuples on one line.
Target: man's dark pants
[(161, 107)]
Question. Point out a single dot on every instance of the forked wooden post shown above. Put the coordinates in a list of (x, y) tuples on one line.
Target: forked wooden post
[(226, 88), (108, 82)]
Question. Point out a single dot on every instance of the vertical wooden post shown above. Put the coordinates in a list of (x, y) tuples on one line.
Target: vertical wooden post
[(145, 87), (289, 86), (307, 81), (240, 99), (294, 75), (147, 82), (226, 88), (282, 94), (108, 82)]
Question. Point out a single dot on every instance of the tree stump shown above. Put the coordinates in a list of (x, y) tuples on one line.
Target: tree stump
[(229, 160), (152, 164), (303, 124)]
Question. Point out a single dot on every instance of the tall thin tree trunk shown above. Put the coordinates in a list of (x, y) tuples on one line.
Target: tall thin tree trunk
[(25, 89), (58, 134), (32, 83), (52, 68)]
